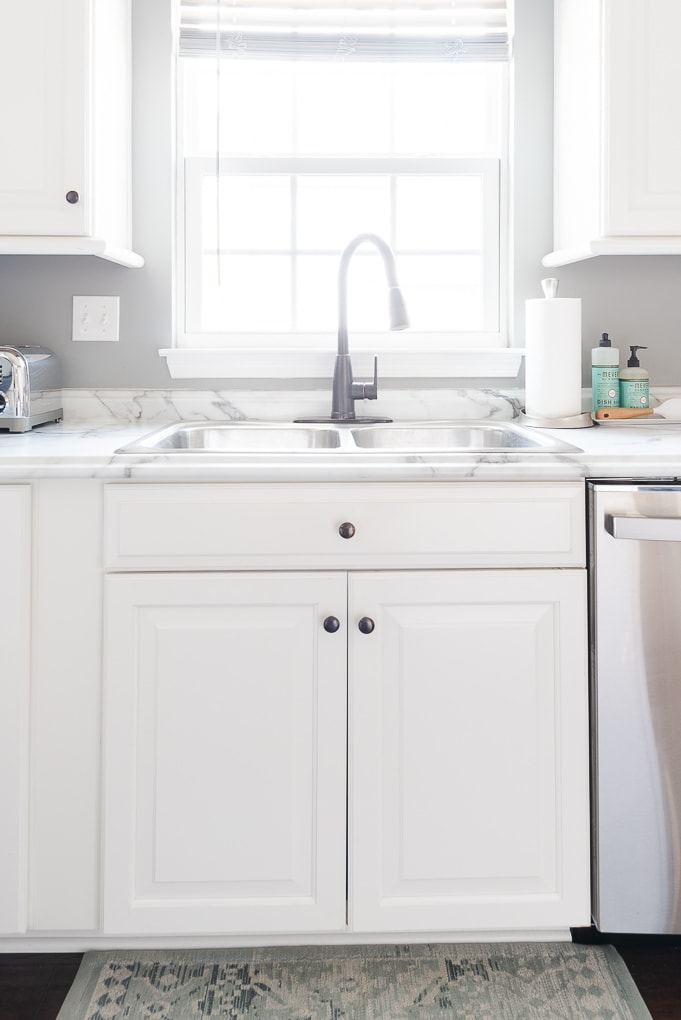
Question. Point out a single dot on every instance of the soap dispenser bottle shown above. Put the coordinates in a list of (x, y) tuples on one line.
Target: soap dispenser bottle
[(605, 367), (634, 382)]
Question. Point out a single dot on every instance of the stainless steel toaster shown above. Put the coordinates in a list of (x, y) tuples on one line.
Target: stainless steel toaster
[(30, 388)]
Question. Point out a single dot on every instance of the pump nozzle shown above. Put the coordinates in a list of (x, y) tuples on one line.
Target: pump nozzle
[(633, 361)]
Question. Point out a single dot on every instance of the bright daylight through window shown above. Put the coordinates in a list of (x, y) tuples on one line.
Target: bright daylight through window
[(303, 123)]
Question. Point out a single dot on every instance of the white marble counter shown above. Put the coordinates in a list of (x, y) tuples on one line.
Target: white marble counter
[(85, 443)]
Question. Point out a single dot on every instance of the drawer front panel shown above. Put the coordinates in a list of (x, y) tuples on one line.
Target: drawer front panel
[(218, 527)]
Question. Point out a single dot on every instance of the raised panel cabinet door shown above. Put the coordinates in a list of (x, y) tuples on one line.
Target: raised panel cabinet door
[(224, 753), (468, 751), (15, 604), (44, 76), (643, 147)]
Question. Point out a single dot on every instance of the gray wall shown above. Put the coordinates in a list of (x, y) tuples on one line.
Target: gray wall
[(636, 299)]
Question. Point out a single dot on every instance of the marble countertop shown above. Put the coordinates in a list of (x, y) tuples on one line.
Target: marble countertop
[(84, 445)]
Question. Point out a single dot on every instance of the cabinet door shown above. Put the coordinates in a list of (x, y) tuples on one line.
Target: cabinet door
[(15, 517), (468, 751), (44, 79), (643, 148), (224, 753)]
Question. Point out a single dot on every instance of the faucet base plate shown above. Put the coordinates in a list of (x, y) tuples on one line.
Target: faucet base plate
[(321, 420)]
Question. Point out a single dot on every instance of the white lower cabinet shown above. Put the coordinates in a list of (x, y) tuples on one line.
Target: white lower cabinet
[(224, 754), (15, 603), (227, 736), (468, 755)]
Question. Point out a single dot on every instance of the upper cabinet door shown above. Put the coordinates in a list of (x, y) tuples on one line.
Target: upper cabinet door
[(224, 753), (468, 751), (44, 94), (65, 111), (643, 149), (617, 129)]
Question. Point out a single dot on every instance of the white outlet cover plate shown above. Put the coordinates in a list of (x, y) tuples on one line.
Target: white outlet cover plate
[(96, 317)]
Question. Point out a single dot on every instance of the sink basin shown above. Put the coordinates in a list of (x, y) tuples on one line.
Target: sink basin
[(236, 437), (396, 438), (444, 436)]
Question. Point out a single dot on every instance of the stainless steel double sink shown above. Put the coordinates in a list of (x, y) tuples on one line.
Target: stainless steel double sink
[(251, 437)]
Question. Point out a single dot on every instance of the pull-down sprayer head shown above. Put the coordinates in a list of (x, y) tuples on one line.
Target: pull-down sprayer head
[(396, 307)]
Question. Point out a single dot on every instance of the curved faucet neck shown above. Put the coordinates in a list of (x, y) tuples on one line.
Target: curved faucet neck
[(349, 250)]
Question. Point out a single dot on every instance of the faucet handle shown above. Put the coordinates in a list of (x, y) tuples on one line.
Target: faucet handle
[(366, 390), (374, 386), (371, 389)]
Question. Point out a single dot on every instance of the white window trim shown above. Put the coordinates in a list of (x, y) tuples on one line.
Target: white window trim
[(486, 169), (311, 356), (286, 365)]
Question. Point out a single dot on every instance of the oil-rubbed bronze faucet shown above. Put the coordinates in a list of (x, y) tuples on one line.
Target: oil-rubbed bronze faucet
[(345, 390)]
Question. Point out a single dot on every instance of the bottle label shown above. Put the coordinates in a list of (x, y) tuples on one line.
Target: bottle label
[(634, 392), (605, 386)]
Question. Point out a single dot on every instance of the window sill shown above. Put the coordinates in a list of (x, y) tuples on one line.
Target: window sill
[(295, 364)]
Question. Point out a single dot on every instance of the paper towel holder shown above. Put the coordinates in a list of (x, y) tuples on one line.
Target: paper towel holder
[(574, 421)]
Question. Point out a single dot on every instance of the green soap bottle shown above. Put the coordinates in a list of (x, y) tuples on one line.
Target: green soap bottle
[(634, 381), (605, 367)]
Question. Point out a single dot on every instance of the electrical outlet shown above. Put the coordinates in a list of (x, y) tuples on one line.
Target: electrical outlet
[(95, 318)]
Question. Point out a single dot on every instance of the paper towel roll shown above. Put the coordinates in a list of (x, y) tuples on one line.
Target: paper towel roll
[(553, 357)]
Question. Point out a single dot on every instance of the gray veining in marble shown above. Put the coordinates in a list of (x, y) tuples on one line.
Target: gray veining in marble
[(155, 407), (97, 423)]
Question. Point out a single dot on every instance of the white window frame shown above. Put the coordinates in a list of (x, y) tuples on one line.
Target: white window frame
[(310, 355)]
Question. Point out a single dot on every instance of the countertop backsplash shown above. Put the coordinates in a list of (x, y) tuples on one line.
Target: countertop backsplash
[(161, 406)]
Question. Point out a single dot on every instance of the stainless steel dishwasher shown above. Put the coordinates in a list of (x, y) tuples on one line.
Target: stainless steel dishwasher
[(635, 619)]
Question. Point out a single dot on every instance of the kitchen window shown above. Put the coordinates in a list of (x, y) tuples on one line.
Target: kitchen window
[(298, 130)]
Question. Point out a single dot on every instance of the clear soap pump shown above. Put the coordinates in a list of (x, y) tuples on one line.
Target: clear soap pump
[(634, 381)]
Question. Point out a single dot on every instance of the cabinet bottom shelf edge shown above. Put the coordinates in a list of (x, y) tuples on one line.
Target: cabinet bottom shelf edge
[(80, 943)]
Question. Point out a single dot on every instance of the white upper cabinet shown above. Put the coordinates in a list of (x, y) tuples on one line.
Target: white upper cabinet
[(65, 108), (617, 157)]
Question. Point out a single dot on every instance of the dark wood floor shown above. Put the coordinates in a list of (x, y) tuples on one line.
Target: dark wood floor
[(654, 962), (657, 973), (34, 985)]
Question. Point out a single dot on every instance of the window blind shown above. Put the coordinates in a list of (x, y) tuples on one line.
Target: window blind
[(371, 30)]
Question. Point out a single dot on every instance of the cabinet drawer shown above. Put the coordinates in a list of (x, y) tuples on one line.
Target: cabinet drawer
[(270, 526)]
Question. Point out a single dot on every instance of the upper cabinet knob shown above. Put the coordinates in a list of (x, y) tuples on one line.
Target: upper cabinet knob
[(72, 197), (346, 530)]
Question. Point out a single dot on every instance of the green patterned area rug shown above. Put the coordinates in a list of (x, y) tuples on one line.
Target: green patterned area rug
[(518, 981)]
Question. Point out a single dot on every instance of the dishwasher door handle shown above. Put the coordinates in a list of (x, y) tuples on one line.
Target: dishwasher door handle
[(644, 529)]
